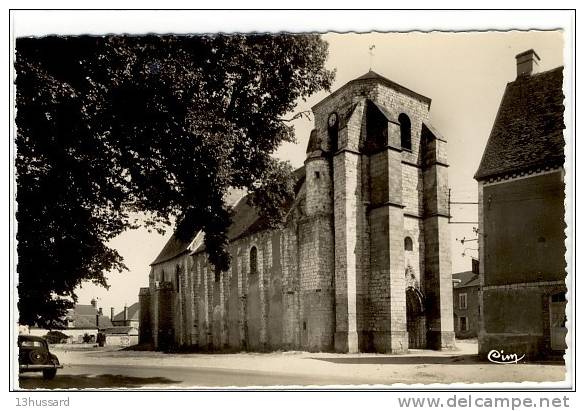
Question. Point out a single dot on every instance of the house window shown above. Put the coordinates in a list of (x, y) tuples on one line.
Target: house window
[(463, 301), (408, 244), (162, 276), (317, 175), (463, 324), (253, 260), (177, 279), (405, 138)]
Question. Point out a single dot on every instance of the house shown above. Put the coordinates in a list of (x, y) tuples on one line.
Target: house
[(85, 321), (362, 263), (521, 218), (466, 302), (129, 316), (81, 324)]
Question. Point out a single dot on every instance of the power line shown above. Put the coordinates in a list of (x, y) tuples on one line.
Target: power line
[(449, 202)]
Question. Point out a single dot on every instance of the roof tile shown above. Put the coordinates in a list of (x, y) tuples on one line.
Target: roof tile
[(528, 130), (133, 313), (468, 279)]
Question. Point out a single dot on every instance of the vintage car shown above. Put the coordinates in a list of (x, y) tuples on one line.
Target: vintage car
[(34, 355)]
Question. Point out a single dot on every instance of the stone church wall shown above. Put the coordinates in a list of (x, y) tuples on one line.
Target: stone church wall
[(363, 262), (240, 309)]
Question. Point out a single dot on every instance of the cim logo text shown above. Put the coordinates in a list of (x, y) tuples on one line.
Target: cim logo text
[(499, 357)]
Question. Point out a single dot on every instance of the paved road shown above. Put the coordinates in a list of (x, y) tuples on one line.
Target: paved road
[(115, 368), (108, 376)]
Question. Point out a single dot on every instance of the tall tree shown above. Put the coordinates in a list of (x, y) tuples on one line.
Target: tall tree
[(164, 125)]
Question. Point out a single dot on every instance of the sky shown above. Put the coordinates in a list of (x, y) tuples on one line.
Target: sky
[(463, 73)]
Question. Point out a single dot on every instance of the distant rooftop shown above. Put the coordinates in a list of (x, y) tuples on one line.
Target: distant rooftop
[(467, 279), (84, 316), (133, 313)]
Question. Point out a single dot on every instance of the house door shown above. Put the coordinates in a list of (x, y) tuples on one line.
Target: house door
[(558, 329)]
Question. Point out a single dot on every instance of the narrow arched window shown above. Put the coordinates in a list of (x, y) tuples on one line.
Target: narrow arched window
[(253, 260), (407, 244), (376, 127), (333, 131), (405, 137)]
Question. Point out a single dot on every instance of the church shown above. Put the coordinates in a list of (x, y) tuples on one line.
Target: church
[(362, 263)]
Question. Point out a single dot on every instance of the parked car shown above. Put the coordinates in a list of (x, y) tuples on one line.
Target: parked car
[(34, 355)]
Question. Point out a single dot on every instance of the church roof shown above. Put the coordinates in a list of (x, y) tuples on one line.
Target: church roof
[(177, 245), (528, 130), (245, 221), (174, 247), (373, 76)]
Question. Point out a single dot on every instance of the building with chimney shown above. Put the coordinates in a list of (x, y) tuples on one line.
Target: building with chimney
[(128, 317), (85, 321), (466, 302), (362, 263), (82, 323), (521, 218)]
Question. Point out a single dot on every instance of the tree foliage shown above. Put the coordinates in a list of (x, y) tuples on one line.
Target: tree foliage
[(163, 125)]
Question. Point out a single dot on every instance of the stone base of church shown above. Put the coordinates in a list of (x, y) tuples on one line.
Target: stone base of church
[(346, 341), (390, 342), (441, 340)]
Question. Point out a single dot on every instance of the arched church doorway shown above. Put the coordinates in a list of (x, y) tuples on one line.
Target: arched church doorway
[(415, 318)]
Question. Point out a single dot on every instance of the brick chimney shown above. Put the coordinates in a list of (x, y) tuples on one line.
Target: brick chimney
[(112, 313), (527, 63), (475, 266), (125, 314), (100, 311)]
